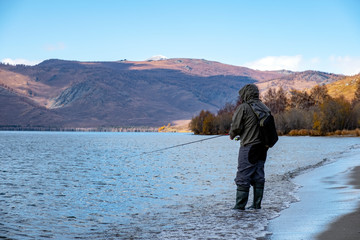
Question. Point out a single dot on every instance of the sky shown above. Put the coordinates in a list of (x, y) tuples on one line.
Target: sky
[(297, 35)]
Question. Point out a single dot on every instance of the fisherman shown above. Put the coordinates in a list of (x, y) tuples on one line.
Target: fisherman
[(252, 153)]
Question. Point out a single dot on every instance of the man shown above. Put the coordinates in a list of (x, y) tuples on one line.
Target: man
[(252, 153)]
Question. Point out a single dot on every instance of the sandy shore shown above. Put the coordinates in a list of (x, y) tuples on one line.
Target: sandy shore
[(329, 206), (181, 126), (348, 226)]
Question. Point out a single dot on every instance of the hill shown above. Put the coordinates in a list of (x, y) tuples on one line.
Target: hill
[(127, 93), (300, 80), (346, 87)]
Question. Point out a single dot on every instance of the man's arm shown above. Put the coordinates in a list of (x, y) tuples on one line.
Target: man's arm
[(236, 125)]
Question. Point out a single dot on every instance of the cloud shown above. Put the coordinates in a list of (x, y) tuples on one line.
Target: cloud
[(55, 47), (315, 60), (19, 61), (345, 64), (276, 63)]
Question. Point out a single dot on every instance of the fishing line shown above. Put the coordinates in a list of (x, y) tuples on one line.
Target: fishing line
[(179, 145)]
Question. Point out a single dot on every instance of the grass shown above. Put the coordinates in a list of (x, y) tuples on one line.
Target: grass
[(307, 132)]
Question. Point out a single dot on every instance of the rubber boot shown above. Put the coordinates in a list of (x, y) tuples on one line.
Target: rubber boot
[(242, 196), (258, 196)]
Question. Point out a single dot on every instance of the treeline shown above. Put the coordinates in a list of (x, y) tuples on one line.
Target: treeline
[(312, 112), (208, 123)]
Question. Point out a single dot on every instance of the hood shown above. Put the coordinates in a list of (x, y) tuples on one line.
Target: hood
[(249, 92)]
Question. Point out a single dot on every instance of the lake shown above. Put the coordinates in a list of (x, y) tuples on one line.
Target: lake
[(67, 185)]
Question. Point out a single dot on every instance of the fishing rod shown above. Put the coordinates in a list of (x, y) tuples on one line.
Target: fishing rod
[(179, 145)]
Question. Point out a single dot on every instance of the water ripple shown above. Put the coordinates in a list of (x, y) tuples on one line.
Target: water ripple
[(100, 186)]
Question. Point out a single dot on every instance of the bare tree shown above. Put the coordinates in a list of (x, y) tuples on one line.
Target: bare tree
[(275, 100), (300, 100), (319, 94)]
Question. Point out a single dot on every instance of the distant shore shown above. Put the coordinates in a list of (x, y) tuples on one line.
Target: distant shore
[(178, 126), (175, 126), (70, 129)]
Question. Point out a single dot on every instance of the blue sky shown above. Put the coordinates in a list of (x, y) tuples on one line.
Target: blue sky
[(267, 35)]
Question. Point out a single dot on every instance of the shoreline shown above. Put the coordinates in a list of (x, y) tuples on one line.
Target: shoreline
[(181, 126), (70, 129), (347, 226), (328, 206)]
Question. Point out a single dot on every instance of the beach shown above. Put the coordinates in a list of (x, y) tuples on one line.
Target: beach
[(348, 226), (328, 206)]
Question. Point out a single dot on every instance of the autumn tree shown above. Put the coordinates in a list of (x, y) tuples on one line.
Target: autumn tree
[(357, 95), (224, 118), (269, 98), (319, 94), (196, 123), (275, 100), (355, 107), (356, 115), (300, 100), (209, 125), (334, 114), (281, 100), (293, 118)]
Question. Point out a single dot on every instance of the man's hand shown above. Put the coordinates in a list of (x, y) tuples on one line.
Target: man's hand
[(237, 138)]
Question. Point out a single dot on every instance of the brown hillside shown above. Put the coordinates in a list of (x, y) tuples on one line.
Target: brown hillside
[(27, 86), (205, 68), (124, 93), (345, 87), (17, 110), (300, 80)]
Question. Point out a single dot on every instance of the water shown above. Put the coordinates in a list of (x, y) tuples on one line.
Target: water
[(62, 185), (325, 195)]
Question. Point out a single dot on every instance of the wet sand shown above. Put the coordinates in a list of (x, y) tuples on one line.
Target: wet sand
[(348, 226), (328, 207)]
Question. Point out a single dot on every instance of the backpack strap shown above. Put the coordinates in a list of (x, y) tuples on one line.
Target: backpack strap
[(258, 114)]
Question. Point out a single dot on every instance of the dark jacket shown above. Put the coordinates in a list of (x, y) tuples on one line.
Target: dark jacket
[(244, 121)]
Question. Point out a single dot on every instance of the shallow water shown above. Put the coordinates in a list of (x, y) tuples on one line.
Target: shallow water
[(98, 185), (325, 195)]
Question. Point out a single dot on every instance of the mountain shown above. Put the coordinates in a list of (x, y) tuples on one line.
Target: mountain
[(127, 93)]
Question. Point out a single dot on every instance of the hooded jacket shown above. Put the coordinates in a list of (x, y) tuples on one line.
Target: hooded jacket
[(244, 121)]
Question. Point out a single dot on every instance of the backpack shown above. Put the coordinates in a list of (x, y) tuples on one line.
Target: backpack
[(266, 123)]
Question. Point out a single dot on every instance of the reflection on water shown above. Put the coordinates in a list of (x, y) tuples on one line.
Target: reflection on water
[(96, 185)]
